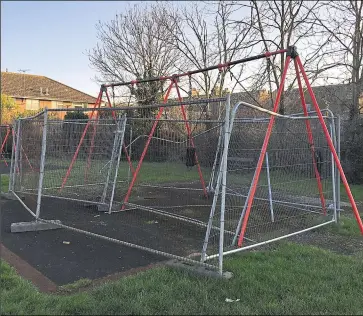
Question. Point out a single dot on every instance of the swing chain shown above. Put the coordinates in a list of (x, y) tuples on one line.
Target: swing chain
[(133, 83), (113, 96), (190, 86)]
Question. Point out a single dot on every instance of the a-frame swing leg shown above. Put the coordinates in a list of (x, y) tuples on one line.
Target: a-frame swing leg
[(191, 140), (158, 116), (88, 165), (3, 144), (262, 154), (98, 101), (310, 138), (331, 145), (94, 134), (123, 143), (173, 81), (15, 149), (292, 54)]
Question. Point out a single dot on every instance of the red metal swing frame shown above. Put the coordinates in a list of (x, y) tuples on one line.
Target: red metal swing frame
[(299, 68), (291, 54), (8, 131)]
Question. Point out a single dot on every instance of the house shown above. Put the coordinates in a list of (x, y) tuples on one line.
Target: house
[(33, 93)]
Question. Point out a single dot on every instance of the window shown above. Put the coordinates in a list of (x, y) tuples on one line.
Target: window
[(79, 105), (32, 105)]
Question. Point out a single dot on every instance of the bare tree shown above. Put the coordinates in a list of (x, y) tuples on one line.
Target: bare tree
[(281, 24), (232, 41), (204, 36), (190, 35), (132, 46), (342, 23)]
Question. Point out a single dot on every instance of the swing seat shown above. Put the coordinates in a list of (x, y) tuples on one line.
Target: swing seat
[(190, 159)]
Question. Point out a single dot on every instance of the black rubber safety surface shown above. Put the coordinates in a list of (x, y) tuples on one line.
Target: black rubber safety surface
[(65, 256), (4, 169)]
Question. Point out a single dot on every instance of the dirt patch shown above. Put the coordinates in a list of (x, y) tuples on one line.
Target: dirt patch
[(346, 245)]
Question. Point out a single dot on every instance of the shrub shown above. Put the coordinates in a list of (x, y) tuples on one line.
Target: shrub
[(76, 115), (352, 150)]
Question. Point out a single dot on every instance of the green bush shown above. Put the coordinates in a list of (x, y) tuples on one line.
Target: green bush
[(352, 150), (75, 115)]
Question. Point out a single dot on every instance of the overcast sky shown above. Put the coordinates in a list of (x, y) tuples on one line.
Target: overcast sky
[(50, 38)]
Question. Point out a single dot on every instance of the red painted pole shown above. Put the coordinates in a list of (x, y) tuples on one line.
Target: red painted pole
[(128, 158), (190, 137), (98, 101), (3, 144), (331, 146), (5, 138), (310, 138), (193, 72), (262, 154), (110, 106), (123, 144), (88, 166), (13, 133), (27, 159), (26, 156), (146, 146), (3, 157)]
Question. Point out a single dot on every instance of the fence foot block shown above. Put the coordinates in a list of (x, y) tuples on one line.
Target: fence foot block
[(199, 270), (33, 226), (102, 208), (116, 206), (10, 196)]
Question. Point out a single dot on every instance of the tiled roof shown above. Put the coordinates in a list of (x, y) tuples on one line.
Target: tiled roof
[(30, 86)]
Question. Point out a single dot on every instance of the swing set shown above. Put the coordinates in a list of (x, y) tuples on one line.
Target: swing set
[(164, 210)]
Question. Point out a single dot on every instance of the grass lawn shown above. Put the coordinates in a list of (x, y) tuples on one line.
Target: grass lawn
[(169, 172), (150, 172), (292, 279), (4, 183), (357, 191)]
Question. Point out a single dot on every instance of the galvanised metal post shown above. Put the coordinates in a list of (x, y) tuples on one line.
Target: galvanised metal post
[(120, 136), (115, 142), (17, 150), (269, 188), (130, 153), (332, 135), (11, 182), (336, 168), (42, 162), (224, 184), (211, 180)]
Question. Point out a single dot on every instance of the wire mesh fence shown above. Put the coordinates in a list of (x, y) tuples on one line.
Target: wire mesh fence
[(89, 165), (175, 186), (297, 184), (82, 156), (26, 162)]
